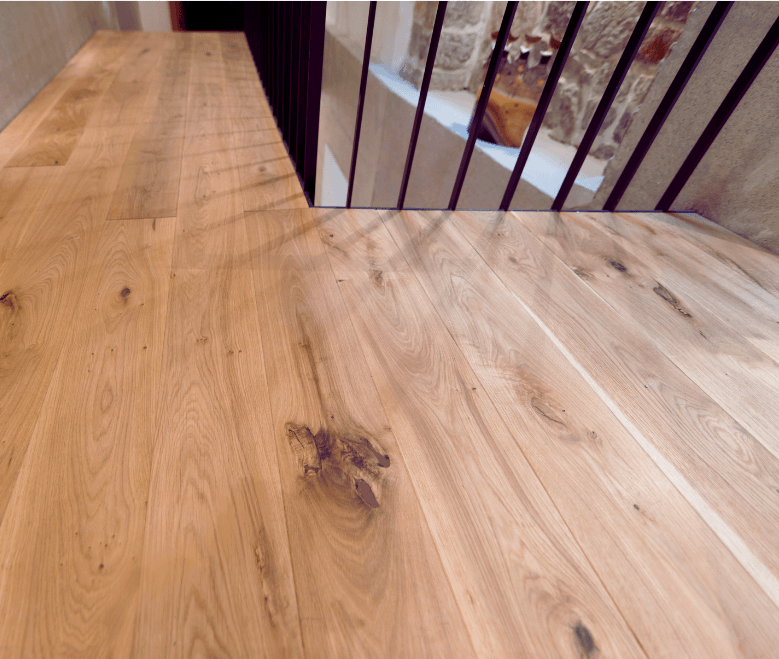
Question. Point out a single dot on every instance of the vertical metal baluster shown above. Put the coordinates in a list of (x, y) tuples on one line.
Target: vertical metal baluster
[(412, 145), (294, 77), (316, 51), (675, 89), (285, 82), (726, 108), (543, 103), (305, 26), (629, 54), (366, 60), (481, 105), (276, 81)]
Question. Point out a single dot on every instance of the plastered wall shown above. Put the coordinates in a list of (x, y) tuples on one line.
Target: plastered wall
[(37, 39), (737, 182)]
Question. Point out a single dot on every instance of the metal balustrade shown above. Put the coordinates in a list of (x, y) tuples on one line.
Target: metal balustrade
[(287, 42)]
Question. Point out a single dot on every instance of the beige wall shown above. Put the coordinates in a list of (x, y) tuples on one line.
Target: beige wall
[(737, 182), (37, 39), (391, 32), (155, 16)]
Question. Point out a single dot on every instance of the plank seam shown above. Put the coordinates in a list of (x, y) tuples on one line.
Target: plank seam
[(743, 554), (455, 599), (506, 422)]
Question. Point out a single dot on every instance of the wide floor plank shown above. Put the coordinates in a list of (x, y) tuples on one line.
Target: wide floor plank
[(149, 184), (74, 529), (742, 296), (216, 577), (527, 572), (656, 557), (22, 192), (741, 379), (54, 139), (41, 285), (369, 578), (234, 426), (693, 441)]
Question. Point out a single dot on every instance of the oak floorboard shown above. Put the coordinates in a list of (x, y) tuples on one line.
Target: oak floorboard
[(53, 140), (369, 580), (742, 255), (523, 584), (41, 285), (244, 90), (209, 201), (149, 183), (74, 528), (216, 575), (209, 198), (725, 473), (742, 296), (268, 178), (741, 379), (22, 191), (680, 589), (123, 102)]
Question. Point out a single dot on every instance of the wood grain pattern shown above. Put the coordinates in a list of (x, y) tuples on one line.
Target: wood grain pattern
[(244, 89), (369, 579), (210, 205), (233, 426), (74, 528), (742, 296), (54, 139), (209, 200), (216, 575), (744, 256), (22, 192), (679, 588), (268, 178), (149, 183), (473, 479), (693, 434), (738, 377), (41, 285)]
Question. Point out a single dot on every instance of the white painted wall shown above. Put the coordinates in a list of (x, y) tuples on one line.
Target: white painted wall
[(36, 41), (155, 16), (391, 32)]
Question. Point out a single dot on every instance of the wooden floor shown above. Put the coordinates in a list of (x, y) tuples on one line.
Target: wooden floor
[(233, 426)]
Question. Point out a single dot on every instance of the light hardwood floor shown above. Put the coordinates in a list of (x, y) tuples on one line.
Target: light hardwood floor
[(234, 426)]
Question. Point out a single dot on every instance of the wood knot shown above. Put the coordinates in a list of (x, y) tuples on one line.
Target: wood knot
[(376, 277), (9, 299), (616, 264), (335, 460), (584, 641), (125, 292), (582, 273), (669, 297)]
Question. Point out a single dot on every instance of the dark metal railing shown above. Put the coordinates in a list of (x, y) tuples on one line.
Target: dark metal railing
[(685, 72), (609, 94), (412, 143), (287, 41), (288, 47), (366, 60)]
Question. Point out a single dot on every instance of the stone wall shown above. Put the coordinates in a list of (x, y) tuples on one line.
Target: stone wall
[(466, 45), (605, 31), (461, 50)]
